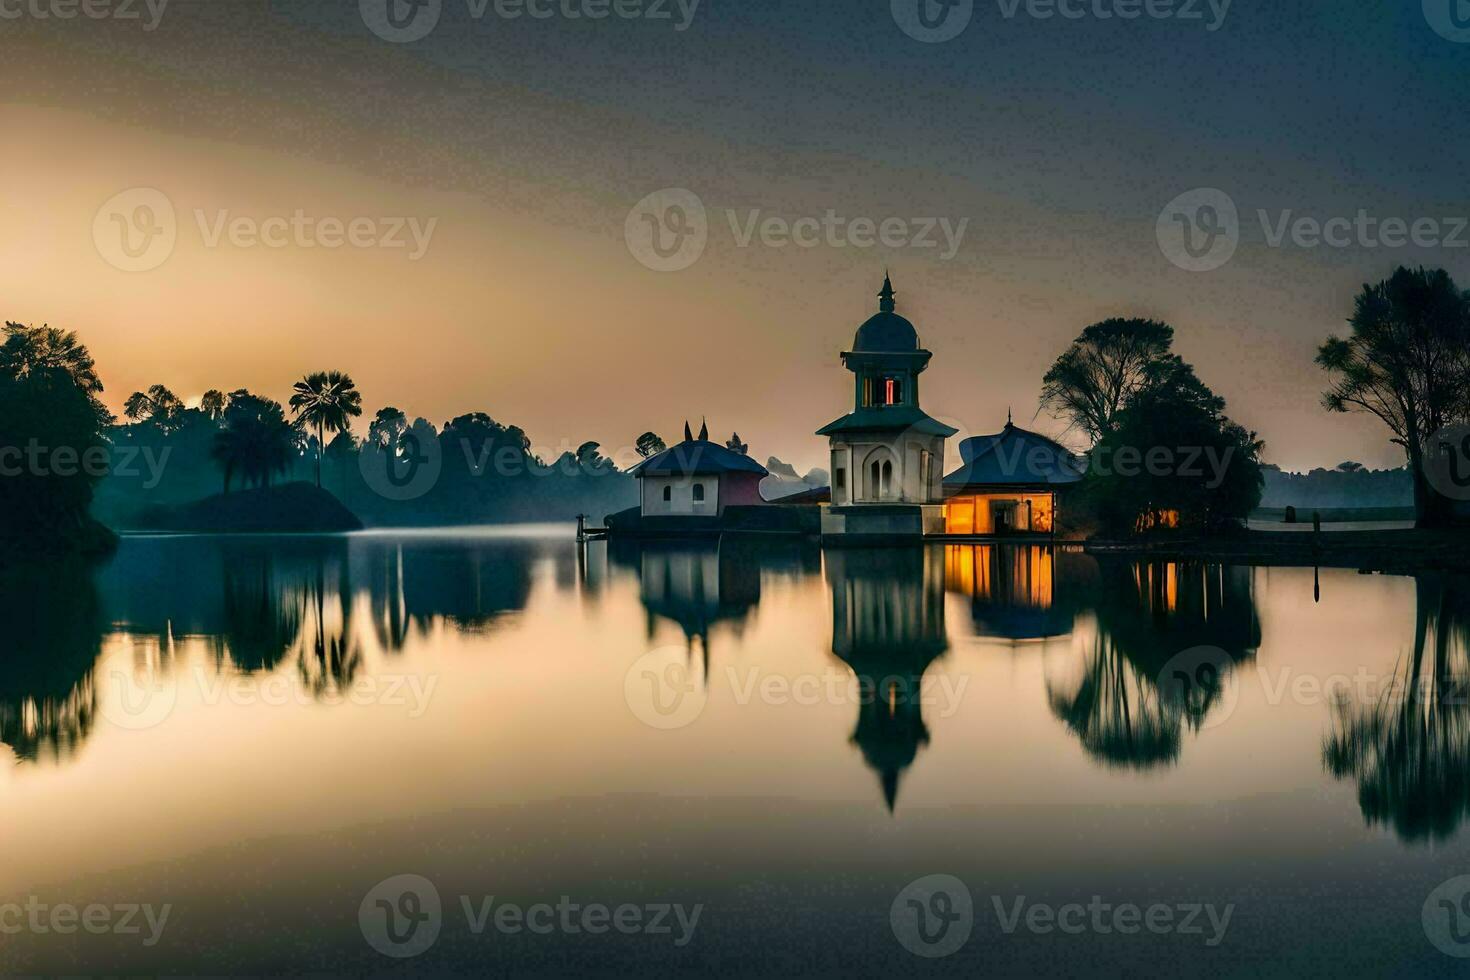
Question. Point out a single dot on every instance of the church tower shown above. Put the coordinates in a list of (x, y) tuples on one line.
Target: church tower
[(887, 454)]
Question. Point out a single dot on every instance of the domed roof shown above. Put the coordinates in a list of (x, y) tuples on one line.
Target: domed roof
[(886, 331)]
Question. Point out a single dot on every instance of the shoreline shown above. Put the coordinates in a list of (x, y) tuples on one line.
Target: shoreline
[(1395, 551)]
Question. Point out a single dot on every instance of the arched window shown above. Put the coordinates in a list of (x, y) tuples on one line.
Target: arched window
[(699, 493), (875, 476), (887, 478), (668, 494)]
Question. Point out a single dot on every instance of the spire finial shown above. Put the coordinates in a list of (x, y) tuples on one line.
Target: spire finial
[(886, 303), (1010, 418), (688, 436), (703, 429)]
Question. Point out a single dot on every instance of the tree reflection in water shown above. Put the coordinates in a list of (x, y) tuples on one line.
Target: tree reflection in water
[(54, 627), (1409, 749), (1136, 694)]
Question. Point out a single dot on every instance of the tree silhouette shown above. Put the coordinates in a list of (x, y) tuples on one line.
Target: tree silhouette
[(157, 405), (325, 400), (255, 441), (213, 404), (1406, 362), (649, 445), (49, 399), (1103, 369)]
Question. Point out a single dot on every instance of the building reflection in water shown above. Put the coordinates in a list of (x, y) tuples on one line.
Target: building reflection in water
[(1020, 592), (1126, 703), (888, 627), (1407, 743)]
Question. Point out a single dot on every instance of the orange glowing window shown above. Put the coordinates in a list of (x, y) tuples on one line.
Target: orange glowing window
[(890, 391)]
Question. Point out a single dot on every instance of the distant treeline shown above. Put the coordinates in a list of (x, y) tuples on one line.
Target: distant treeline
[(1347, 486), (473, 469)]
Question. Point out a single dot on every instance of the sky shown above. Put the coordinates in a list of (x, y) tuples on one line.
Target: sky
[(233, 193)]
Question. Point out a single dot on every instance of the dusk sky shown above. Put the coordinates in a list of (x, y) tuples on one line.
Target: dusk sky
[(517, 148)]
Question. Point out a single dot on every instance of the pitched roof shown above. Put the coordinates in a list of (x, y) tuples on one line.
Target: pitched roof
[(1015, 457), (698, 457), (886, 419)]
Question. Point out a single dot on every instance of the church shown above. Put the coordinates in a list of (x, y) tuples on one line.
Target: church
[(887, 454)]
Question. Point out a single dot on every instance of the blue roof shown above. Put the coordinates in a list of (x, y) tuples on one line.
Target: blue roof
[(1017, 458), (698, 457)]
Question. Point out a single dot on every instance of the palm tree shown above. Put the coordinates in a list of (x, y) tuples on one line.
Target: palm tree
[(255, 441), (157, 404), (325, 400)]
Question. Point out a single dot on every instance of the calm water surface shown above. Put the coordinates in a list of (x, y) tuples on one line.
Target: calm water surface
[(259, 731)]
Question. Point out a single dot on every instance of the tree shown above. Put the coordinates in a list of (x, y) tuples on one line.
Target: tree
[(1349, 466), (1173, 452), (157, 405), (649, 445), (1106, 366), (387, 428), (325, 400), (256, 441), (213, 404), (51, 429), (1406, 363), (736, 446)]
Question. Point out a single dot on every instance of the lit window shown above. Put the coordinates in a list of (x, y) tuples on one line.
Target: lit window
[(699, 493)]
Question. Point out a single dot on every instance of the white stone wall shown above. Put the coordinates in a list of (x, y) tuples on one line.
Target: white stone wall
[(903, 451), (682, 502)]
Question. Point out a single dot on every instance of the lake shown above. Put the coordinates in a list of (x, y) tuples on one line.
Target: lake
[(490, 750)]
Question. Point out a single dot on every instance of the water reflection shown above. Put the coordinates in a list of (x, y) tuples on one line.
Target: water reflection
[(1409, 748), (888, 627), (323, 614), (1126, 704), (1020, 592), (53, 635)]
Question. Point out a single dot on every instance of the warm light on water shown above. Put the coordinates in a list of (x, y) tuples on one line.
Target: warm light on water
[(259, 731)]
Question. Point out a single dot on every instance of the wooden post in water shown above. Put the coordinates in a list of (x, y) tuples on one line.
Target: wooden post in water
[(582, 528)]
